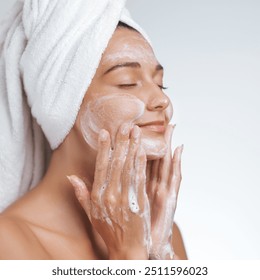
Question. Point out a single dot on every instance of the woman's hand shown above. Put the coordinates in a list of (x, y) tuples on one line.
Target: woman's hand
[(117, 204), (163, 183)]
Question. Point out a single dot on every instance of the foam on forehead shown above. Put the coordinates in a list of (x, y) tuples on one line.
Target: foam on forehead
[(133, 48)]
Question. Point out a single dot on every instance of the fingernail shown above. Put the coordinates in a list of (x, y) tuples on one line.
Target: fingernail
[(74, 180), (125, 128), (172, 128), (70, 179), (136, 132), (103, 135), (77, 184), (168, 134), (180, 151)]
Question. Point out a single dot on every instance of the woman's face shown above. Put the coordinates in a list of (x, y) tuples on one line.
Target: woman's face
[(127, 88)]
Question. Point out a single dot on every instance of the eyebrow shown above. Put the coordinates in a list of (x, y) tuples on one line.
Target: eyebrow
[(158, 67), (125, 64)]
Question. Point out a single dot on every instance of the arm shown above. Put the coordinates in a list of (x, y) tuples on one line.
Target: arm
[(178, 244)]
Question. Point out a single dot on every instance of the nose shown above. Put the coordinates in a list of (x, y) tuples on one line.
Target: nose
[(158, 101)]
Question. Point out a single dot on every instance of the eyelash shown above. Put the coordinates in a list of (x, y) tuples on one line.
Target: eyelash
[(162, 87), (132, 85), (127, 85)]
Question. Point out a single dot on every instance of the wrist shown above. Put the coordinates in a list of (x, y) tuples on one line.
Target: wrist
[(169, 256), (163, 253), (137, 254)]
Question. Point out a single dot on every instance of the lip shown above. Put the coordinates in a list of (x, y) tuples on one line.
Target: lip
[(156, 126)]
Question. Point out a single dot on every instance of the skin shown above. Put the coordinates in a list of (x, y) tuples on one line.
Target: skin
[(87, 215)]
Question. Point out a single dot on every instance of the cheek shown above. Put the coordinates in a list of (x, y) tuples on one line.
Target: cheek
[(109, 112)]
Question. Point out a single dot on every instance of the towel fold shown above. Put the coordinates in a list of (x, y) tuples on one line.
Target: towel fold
[(49, 53)]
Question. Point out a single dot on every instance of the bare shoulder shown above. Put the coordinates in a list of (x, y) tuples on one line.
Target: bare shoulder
[(17, 241), (178, 244)]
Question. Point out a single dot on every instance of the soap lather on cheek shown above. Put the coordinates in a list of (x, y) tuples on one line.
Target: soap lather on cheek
[(109, 112)]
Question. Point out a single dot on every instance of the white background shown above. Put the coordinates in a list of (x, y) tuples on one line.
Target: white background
[(210, 50)]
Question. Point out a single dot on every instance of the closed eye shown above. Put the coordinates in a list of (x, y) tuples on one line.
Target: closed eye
[(135, 84), (127, 85)]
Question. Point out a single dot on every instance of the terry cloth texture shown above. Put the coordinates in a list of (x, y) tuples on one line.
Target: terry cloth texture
[(49, 53)]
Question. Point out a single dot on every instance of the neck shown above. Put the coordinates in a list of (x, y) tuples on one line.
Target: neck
[(72, 157), (58, 193)]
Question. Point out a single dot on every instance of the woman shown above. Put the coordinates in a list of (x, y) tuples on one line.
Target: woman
[(111, 187)]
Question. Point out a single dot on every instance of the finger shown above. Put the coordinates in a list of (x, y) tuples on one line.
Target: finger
[(176, 177), (118, 160), (165, 162), (82, 193), (128, 170), (101, 168), (140, 168)]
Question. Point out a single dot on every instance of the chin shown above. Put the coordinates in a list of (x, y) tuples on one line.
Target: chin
[(154, 149)]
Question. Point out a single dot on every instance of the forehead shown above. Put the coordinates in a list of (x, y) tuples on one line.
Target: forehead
[(128, 45)]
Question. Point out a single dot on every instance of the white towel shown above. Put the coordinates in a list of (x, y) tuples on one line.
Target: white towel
[(49, 52)]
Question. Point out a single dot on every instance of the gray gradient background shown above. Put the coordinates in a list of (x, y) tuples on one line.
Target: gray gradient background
[(210, 50)]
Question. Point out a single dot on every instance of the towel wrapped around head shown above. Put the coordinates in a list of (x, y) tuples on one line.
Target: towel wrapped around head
[(49, 53)]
